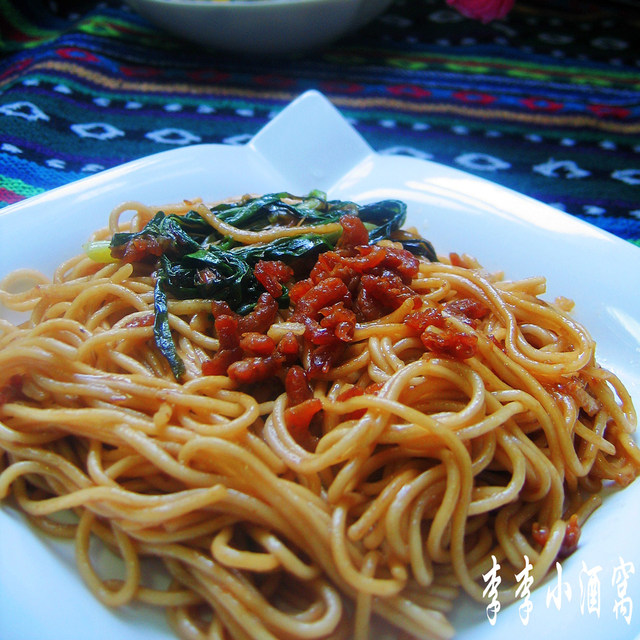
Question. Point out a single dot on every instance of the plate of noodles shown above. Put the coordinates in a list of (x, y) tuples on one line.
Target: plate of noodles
[(297, 389)]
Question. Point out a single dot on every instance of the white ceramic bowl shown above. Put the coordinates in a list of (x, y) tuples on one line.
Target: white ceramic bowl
[(273, 27)]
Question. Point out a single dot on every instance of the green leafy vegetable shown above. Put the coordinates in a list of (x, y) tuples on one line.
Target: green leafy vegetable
[(172, 234), (162, 330), (420, 247), (193, 260)]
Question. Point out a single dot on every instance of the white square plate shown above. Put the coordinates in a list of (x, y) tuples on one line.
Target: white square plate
[(309, 145)]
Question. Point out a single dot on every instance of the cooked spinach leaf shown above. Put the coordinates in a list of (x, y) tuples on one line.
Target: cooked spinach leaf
[(172, 233), (420, 247), (193, 260), (162, 330)]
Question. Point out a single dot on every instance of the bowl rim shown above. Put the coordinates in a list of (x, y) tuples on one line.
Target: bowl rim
[(228, 4)]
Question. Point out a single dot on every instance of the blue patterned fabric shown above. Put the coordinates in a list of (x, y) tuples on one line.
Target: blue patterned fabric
[(546, 102)]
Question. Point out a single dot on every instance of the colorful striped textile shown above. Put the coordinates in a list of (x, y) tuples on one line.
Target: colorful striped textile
[(546, 101)]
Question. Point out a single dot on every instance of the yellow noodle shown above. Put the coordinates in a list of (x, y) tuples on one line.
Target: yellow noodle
[(408, 490)]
